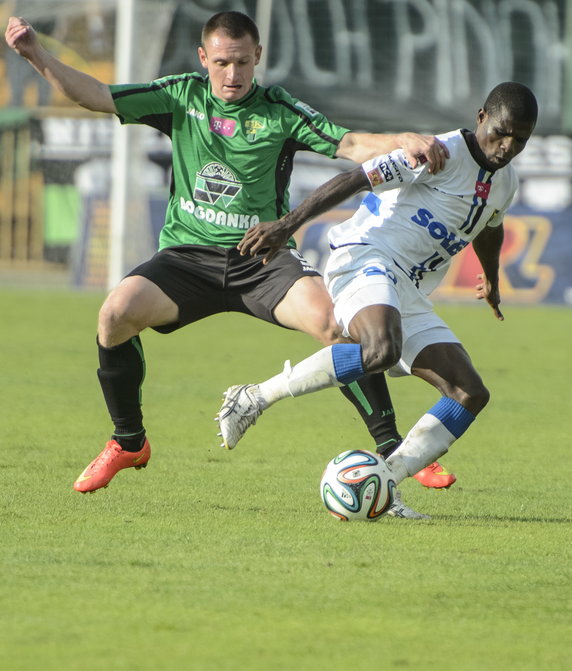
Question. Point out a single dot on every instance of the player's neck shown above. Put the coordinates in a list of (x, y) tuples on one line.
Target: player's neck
[(475, 151)]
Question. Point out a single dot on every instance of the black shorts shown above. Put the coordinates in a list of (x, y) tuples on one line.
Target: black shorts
[(204, 281)]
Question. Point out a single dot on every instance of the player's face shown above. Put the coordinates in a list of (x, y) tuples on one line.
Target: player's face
[(501, 137), (230, 64)]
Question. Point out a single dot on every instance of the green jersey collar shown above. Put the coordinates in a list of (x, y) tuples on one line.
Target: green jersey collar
[(239, 104)]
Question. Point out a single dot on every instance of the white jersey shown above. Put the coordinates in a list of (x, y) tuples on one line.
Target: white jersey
[(423, 220)]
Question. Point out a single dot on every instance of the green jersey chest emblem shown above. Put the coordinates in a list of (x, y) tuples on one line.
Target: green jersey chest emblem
[(216, 182), (252, 126)]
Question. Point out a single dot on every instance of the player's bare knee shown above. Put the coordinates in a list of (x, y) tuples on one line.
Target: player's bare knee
[(116, 322), (474, 397), (480, 397), (379, 356)]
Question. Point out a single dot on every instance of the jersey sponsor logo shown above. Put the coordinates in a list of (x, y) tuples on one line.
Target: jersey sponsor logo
[(450, 242), (222, 126), (306, 108), (482, 190), (386, 171), (196, 114), (216, 182), (375, 177), (252, 127), (219, 217), (396, 169)]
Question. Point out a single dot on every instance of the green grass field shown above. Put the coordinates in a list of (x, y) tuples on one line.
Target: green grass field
[(211, 560)]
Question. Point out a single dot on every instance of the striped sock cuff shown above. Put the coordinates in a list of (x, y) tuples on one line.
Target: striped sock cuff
[(347, 362), (454, 417)]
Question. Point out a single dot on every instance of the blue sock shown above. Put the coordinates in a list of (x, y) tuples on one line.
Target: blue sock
[(454, 417), (347, 362)]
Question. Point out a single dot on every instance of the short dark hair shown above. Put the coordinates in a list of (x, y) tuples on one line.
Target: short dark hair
[(517, 99), (233, 24)]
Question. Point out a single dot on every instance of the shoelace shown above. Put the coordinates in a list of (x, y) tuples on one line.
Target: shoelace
[(230, 405), (106, 456)]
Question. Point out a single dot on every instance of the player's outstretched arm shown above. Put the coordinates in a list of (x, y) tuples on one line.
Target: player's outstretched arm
[(75, 85), (269, 236), (487, 246), (361, 147)]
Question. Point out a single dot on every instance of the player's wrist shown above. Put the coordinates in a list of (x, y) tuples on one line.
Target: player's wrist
[(290, 223)]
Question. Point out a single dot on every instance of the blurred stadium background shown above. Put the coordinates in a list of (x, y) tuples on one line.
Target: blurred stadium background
[(82, 200)]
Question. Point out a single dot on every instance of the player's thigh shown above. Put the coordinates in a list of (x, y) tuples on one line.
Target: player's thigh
[(448, 367), (307, 307), (132, 306), (377, 327), (367, 303)]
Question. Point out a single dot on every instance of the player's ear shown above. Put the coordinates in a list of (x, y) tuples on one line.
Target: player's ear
[(481, 116), (202, 56), (257, 54)]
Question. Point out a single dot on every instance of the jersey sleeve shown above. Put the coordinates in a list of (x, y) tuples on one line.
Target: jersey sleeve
[(498, 215), (390, 171), (139, 103), (308, 127)]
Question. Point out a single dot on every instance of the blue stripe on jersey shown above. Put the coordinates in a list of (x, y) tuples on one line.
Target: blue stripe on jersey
[(372, 202), (454, 417), (347, 362), (475, 204)]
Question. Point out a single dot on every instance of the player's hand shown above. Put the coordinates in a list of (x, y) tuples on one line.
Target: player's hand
[(21, 37), (490, 294), (268, 237), (424, 149)]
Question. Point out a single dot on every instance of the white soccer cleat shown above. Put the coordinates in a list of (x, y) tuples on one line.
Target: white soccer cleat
[(240, 410), (400, 509)]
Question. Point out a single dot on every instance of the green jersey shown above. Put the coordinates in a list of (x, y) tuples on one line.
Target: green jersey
[(231, 162)]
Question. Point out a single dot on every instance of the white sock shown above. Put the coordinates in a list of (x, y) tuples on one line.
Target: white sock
[(425, 443), (312, 374)]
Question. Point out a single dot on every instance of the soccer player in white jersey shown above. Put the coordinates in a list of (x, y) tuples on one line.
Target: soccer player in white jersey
[(385, 261)]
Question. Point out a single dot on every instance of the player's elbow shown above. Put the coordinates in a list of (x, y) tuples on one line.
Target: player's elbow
[(348, 148)]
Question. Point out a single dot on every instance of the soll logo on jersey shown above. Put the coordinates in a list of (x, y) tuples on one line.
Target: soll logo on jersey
[(252, 127), (438, 231), (216, 182)]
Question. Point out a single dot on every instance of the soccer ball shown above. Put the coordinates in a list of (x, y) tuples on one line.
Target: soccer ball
[(357, 485)]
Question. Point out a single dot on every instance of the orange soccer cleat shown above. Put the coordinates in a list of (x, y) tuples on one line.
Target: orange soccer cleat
[(435, 476), (113, 458)]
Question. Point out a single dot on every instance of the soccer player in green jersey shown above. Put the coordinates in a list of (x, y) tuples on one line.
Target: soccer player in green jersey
[(233, 145)]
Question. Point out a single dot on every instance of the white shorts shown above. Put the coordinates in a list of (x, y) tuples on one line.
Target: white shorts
[(358, 276)]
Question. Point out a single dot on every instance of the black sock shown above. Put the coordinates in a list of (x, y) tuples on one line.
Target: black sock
[(371, 398), (121, 373), (388, 447)]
